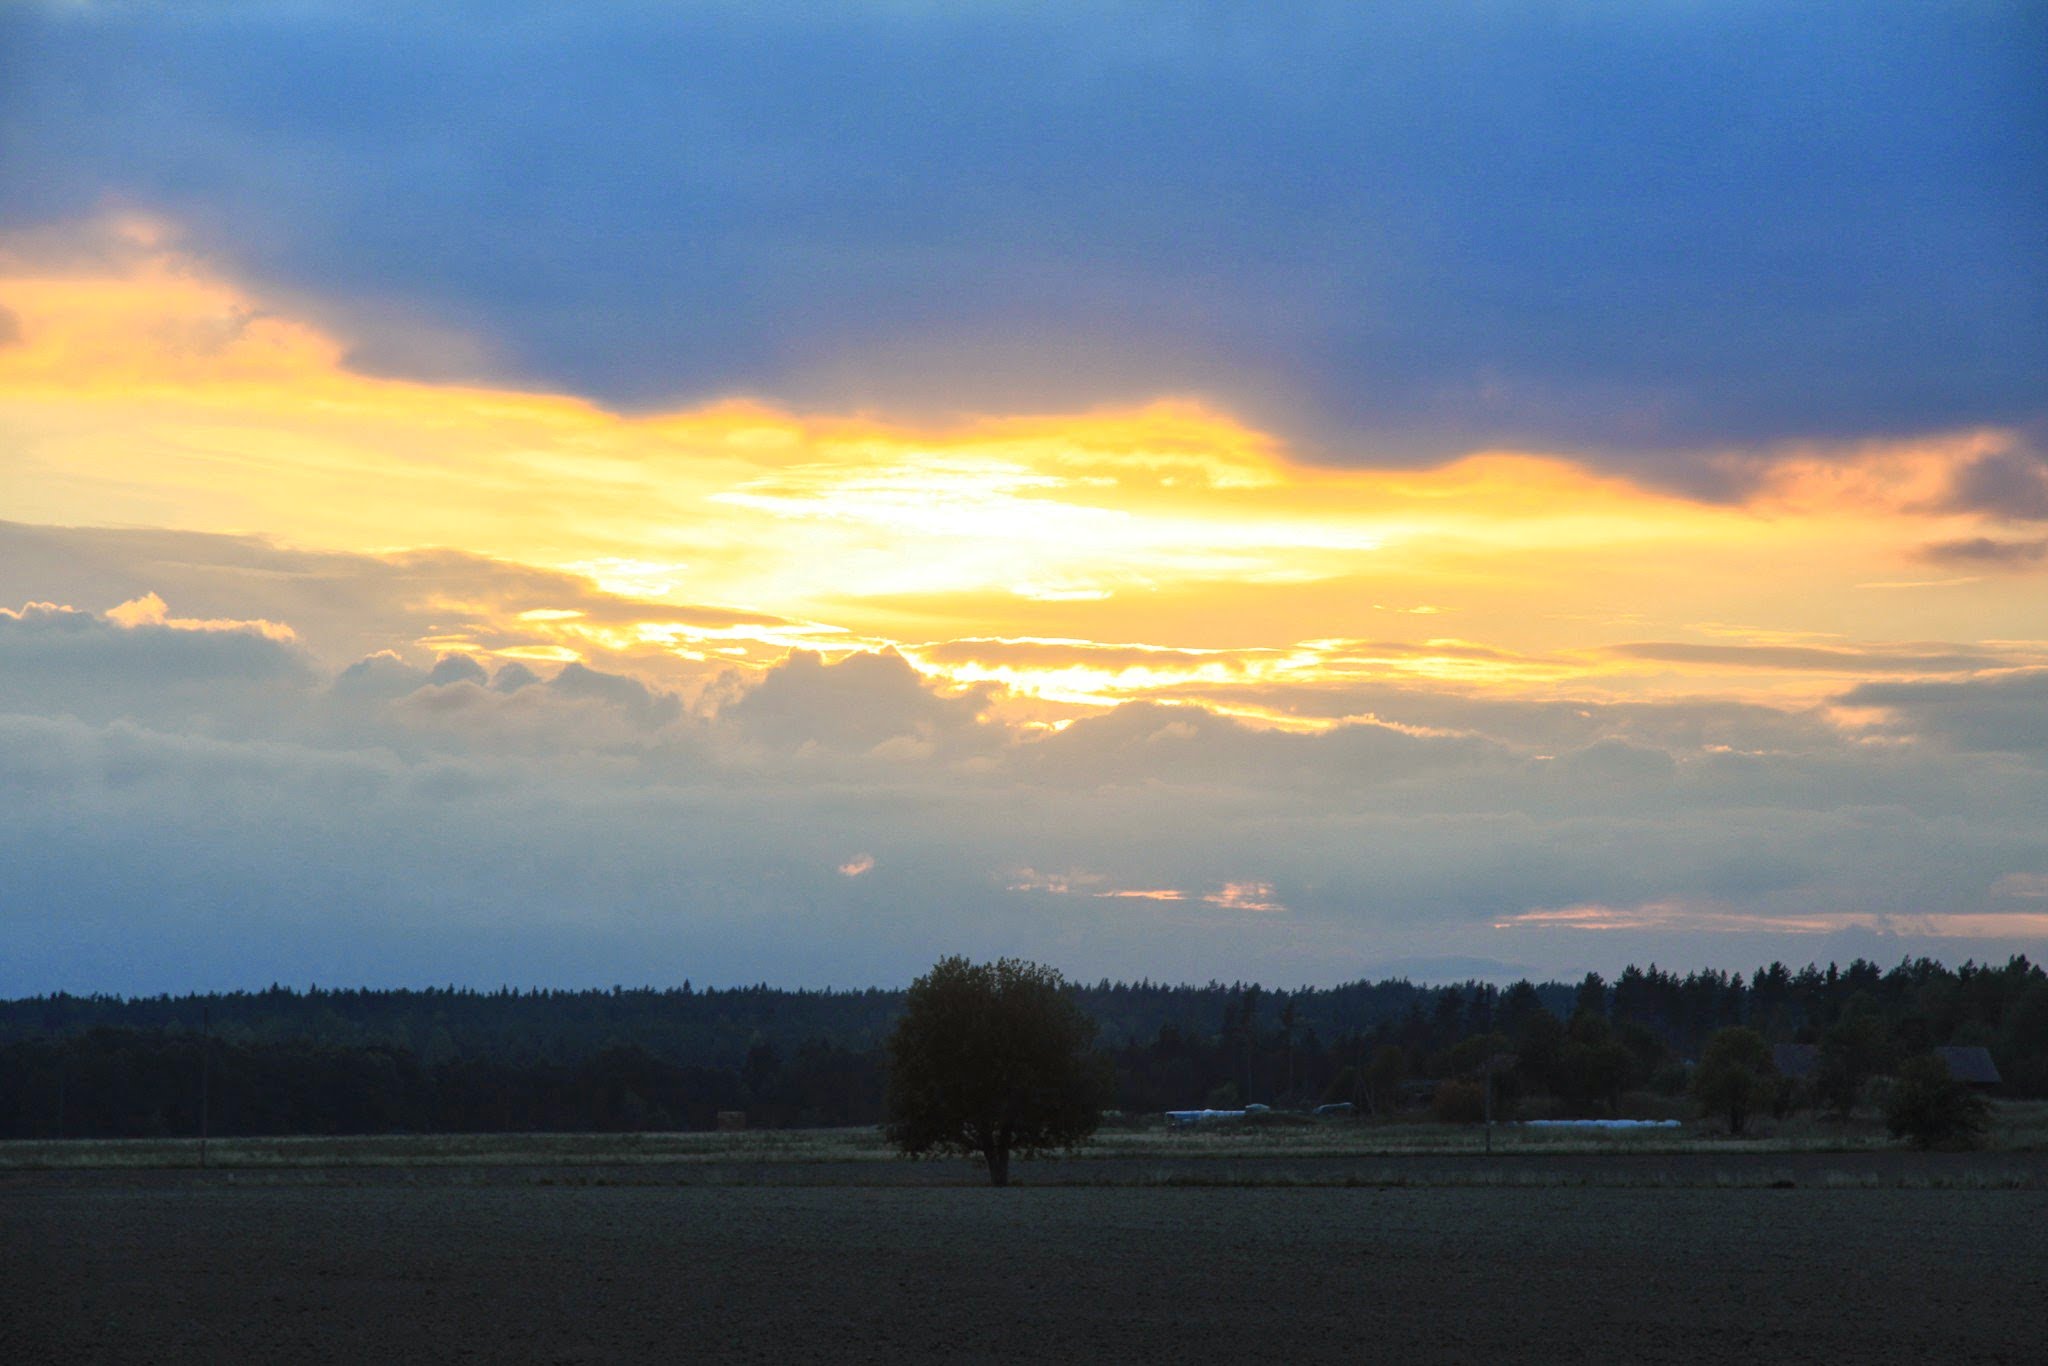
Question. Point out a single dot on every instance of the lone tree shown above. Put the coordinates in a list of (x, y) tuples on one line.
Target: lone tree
[(992, 1058), (1735, 1076)]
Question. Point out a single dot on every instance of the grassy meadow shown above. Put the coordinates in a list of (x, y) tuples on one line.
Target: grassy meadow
[(2018, 1127)]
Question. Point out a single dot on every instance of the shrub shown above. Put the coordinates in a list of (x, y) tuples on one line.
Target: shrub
[(1929, 1108), (1458, 1102), (1383, 1078), (1850, 1054), (1672, 1078), (1735, 1077), (1649, 1105)]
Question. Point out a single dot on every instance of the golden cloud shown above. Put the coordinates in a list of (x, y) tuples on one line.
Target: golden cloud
[(1076, 559)]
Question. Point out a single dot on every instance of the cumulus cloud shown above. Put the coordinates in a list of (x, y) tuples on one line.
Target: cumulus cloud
[(217, 805), (458, 669), (866, 703), (151, 610), (380, 677), (512, 677), (136, 661), (648, 708)]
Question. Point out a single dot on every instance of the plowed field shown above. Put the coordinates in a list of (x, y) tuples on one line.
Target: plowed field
[(384, 1267)]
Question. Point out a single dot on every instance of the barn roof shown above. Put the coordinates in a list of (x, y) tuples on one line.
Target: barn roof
[(1798, 1061), (1973, 1065)]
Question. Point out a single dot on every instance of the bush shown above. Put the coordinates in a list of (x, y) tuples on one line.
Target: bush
[(1650, 1105), (1458, 1102), (1672, 1078), (1383, 1078), (1929, 1108), (1735, 1077), (1346, 1086), (1850, 1055)]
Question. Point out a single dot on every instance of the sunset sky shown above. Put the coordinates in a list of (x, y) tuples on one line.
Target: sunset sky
[(582, 494)]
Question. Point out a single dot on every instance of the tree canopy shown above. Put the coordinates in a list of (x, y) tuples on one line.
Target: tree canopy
[(993, 1058)]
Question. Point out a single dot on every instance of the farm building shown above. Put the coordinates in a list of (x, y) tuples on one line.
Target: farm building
[(1972, 1065), (1798, 1061)]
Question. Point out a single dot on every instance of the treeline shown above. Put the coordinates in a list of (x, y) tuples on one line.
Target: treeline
[(123, 1083), (711, 1028), (284, 1061), (1596, 1047)]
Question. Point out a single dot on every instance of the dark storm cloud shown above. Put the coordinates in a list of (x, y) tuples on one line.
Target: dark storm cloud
[(2008, 712), (2014, 484), (1397, 230), (1940, 660), (1985, 550)]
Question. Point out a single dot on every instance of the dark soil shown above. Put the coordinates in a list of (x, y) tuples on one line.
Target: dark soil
[(1720, 1170), (398, 1265)]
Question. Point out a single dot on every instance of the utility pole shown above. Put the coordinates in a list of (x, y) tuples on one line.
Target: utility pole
[(1493, 1064), (1485, 1080), (205, 1058)]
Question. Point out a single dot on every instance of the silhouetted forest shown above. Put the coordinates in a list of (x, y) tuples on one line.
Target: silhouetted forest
[(284, 1061)]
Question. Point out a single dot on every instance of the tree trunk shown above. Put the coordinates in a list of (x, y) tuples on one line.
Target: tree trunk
[(998, 1164)]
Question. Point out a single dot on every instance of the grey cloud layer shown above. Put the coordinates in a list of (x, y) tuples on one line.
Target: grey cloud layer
[(217, 807), (345, 606), (1403, 229)]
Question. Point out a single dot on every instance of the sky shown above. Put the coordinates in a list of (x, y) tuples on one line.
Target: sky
[(573, 495)]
